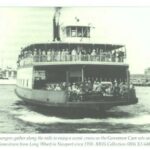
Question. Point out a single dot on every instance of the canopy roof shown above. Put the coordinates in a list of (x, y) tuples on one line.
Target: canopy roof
[(78, 25), (57, 45)]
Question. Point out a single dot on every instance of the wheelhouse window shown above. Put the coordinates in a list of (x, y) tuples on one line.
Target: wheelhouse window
[(86, 32), (68, 31), (73, 32), (78, 31), (27, 83)]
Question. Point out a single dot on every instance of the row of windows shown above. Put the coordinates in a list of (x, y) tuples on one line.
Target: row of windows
[(78, 31), (23, 82)]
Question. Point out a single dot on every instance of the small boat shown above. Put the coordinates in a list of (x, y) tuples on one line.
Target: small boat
[(7, 76)]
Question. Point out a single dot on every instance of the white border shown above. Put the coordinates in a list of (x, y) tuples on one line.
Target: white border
[(46, 3)]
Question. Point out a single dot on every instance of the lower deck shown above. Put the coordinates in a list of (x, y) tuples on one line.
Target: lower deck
[(59, 99), (78, 86)]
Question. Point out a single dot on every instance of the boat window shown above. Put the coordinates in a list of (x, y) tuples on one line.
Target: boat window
[(68, 31), (40, 75), (27, 83), (86, 32), (73, 32), (79, 31), (52, 76)]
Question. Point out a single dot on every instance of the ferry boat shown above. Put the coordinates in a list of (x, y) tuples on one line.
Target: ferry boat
[(72, 73)]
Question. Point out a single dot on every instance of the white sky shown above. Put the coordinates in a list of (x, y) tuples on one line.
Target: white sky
[(20, 26)]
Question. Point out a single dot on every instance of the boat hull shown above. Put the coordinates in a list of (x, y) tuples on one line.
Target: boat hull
[(62, 103)]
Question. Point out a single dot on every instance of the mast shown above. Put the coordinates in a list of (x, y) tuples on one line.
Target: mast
[(56, 26)]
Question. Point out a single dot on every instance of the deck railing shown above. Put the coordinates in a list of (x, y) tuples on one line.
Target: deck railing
[(71, 58)]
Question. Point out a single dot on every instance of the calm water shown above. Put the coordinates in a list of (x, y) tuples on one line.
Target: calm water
[(16, 117)]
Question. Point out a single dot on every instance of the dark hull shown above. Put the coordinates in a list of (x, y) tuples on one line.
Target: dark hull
[(65, 105)]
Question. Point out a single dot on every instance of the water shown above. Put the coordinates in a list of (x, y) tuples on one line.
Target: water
[(16, 117)]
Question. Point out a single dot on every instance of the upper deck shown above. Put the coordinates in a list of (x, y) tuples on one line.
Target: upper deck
[(58, 53)]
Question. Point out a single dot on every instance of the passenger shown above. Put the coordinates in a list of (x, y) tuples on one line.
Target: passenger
[(117, 56), (53, 86), (69, 89), (57, 88), (123, 90), (78, 94), (86, 86), (131, 86), (73, 87), (52, 55), (43, 56), (43, 52), (48, 87), (89, 57), (55, 55), (74, 92), (39, 52), (89, 54), (114, 55), (39, 55), (67, 55), (49, 55), (84, 58), (116, 89), (90, 86), (95, 86), (132, 90), (77, 54), (93, 55), (59, 56), (109, 57), (120, 55), (109, 90), (30, 53), (99, 88), (35, 52), (74, 55), (96, 79), (63, 86), (80, 56), (63, 55), (102, 56), (97, 55)]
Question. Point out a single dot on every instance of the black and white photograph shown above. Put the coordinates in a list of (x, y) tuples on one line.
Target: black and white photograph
[(74, 70)]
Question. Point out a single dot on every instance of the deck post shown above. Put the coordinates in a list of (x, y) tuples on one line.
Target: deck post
[(67, 77), (82, 72), (128, 76)]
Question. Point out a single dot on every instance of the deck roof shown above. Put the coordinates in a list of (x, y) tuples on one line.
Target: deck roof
[(44, 46), (84, 63)]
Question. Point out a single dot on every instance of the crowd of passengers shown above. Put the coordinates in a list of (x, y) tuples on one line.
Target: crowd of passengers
[(78, 90), (74, 55)]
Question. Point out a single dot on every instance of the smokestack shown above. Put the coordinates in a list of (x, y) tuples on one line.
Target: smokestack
[(56, 26)]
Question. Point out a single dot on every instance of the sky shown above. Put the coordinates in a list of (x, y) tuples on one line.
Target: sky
[(130, 26)]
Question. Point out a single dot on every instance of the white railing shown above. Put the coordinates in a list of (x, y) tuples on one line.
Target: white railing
[(73, 58)]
